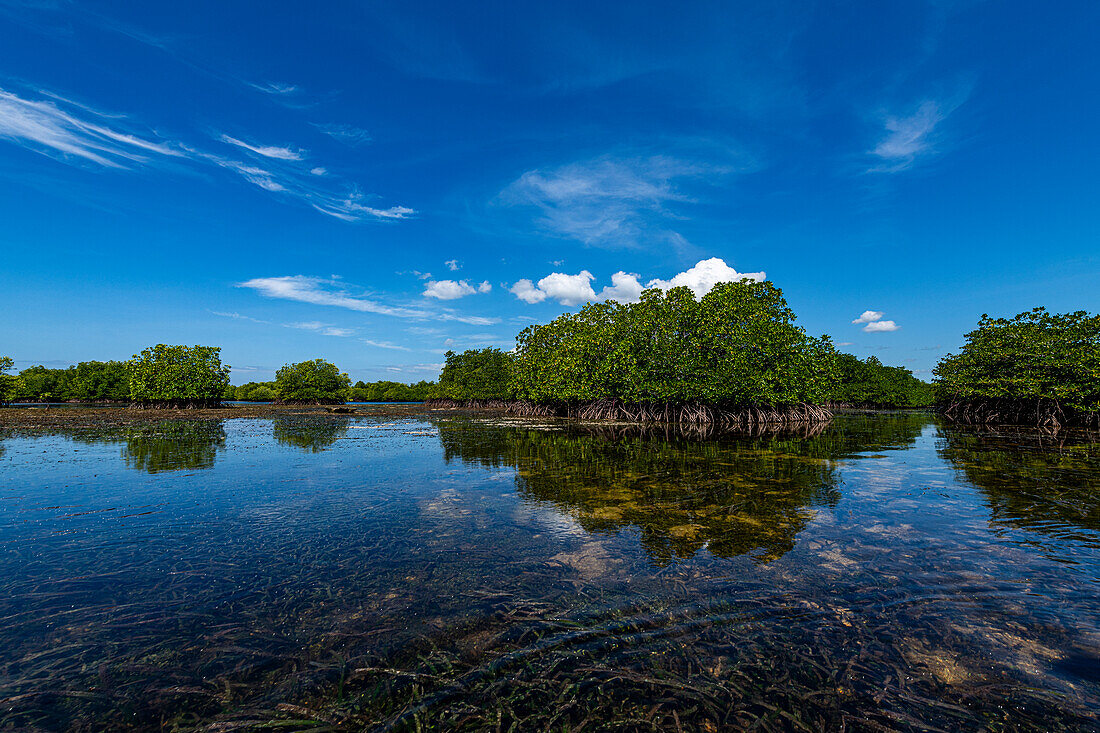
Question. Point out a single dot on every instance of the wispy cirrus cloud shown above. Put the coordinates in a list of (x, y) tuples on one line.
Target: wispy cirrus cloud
[(322, 328), (911, 137), (77, 133), (267, 151), (238, 317), (275, 88), (347, 134), (385, 345), (607, 200), (334, 292), (45, 127)]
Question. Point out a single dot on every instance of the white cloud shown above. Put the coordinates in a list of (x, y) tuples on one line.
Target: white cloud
[(874, 322), (881, 326), (868, 316), (45, 127), (275, 88), (448, 289), (624, 288), (602, 201), (526, 291), (705, 275), (238, 316), (566, 289), (908, 138), (485, 286), (76, 133), (267, 151), (347, 134), (350, 209), (322, 328), (333, 292), (321, 291), (452, 265), (384, 345)]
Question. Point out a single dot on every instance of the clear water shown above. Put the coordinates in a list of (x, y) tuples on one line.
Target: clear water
[(342, 573)]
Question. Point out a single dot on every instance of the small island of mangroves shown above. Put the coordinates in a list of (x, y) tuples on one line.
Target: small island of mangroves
[(676, 514)]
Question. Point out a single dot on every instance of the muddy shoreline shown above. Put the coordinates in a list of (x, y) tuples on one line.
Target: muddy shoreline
[(42, 417)]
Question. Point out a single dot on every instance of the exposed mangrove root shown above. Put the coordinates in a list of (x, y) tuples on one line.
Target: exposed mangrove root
[(1039, 413), (731, 417)]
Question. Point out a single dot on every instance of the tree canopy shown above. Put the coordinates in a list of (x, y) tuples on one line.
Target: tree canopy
[(1034, 357), (872, 384), (181, 376), (7, 381), (738, 344), (474, 374), (314, 381)]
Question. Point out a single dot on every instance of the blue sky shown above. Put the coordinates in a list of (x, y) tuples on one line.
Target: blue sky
[(375, 183)]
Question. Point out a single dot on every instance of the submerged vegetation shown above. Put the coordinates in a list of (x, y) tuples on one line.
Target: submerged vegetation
[(1037, 369)]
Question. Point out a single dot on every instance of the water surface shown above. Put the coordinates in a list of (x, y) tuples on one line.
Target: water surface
[(345, 572)]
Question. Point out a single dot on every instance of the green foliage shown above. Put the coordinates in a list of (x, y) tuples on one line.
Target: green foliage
[(7, 381), (737, 345), (1035, 356), (311, 381), (178, 375), (254, 392), (99, 381), (477, 375), (88, 381), (385, 391), (870, 383)]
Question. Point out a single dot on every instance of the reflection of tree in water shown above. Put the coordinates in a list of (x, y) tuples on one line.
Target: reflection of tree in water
[(732, 495), (153, 446), (310, 433), (1047, 484), (174, 445)]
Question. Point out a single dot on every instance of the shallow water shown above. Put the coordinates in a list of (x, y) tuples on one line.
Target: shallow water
[(310, 573)]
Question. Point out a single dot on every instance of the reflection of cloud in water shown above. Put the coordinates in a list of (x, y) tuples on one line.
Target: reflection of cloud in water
[(729, 495), (551, 520)]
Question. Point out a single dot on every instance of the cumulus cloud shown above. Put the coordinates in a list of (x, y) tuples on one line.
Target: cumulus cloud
[(705, 275), (868, 316), (602, 201), (452, 265), (526, 291), (627, 287), (448, 289), (874, 322), (568, 289), (267, 151), (881, 326), (624, 288)]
